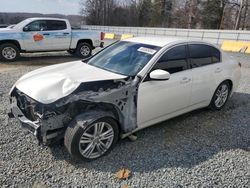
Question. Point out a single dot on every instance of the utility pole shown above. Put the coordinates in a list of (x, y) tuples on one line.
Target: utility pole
[(223, 6), (237, 24), (192, 12), (245, 14)]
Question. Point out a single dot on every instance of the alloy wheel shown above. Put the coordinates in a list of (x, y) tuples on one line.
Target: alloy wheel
[(221, 95), (96, 140)]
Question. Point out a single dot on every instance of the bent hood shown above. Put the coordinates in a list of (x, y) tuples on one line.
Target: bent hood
[(48, 84)]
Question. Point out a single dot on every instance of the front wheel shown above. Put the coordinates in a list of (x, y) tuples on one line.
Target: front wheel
[(84, 50), (9, 52), (93, 141), (220, 96)]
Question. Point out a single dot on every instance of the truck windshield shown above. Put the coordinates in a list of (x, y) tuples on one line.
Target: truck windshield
[(126, 58), (22, 23)]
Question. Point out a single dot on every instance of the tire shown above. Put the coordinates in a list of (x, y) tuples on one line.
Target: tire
[(72, 52), (84, 50), (75, 133), (9, 52), (220, 96)]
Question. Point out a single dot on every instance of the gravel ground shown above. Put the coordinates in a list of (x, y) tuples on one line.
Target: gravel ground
[(199, 149)]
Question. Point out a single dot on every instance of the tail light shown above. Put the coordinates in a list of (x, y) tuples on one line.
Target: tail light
[(102, 35), (239, 64)]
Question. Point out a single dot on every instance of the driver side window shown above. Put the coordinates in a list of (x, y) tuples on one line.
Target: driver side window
[(39, 25), (174, 60)]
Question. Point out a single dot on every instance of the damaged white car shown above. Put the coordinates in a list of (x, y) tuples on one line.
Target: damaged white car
[(128, 86)]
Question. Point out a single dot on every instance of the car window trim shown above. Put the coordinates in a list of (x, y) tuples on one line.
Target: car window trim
[(201, 43)]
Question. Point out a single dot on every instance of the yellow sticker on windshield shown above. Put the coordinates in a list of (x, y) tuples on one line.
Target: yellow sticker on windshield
[(147, 50)]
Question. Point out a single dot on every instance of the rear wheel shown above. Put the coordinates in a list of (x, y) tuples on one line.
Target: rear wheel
[(220, 96), (92, 141), (84, 50), (9, 52)]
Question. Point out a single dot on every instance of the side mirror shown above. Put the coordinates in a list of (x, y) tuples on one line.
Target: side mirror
[(26, 28), (159, 74)]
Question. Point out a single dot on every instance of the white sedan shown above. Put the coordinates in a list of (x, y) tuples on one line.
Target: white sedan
[(130, 85)]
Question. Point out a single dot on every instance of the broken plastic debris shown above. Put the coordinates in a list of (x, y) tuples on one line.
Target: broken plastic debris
[(132, 137)]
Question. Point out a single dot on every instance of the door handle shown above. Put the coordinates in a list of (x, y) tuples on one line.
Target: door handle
[(218, 70), (46, 34), (66, 33), (185, 80)]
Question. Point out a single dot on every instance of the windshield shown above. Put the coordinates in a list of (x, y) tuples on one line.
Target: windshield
[(20, 24), (126, 58)]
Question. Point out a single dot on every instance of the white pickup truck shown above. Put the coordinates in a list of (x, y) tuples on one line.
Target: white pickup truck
[(46, 35)]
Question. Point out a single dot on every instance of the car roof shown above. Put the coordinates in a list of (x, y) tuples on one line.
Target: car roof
[(162, 41), (155, 40)]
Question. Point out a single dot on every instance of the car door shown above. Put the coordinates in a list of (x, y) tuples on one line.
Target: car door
[(35, 36), (206, 69), (160, 99)]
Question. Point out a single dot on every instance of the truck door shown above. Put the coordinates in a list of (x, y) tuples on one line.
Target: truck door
[(34, 36)]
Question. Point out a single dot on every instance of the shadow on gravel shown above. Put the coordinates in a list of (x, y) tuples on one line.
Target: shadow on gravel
[(42, 59), (46, 60), (185, 141)]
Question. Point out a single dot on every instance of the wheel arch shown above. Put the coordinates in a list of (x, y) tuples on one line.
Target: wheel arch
[(230, 83), (89, 41), (15, 42), (82, 109), (224, 80)]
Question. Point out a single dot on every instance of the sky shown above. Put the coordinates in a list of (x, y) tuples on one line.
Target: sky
[(40, 6)]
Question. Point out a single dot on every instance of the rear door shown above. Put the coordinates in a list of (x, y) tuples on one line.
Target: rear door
[(206, 69), (59, 34)]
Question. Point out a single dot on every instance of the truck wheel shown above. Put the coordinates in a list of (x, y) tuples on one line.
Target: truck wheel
[(92, 141), (9, 52), (84, 50)]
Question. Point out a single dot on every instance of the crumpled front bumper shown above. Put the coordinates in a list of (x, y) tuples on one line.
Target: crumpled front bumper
[(31, 126)]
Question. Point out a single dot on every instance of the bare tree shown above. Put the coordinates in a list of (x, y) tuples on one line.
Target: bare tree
[(212, 14)]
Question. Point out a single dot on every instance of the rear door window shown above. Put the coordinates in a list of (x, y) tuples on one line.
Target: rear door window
[(201, 55), (54, 25)]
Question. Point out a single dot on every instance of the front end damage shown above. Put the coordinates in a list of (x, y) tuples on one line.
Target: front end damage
[(48, 122)]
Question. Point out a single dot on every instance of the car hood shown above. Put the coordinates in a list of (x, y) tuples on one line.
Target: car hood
[(48, 84)]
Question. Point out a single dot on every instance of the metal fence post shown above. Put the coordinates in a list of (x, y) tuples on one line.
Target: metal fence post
[(218, 39), (238, 36), (203, 35)]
